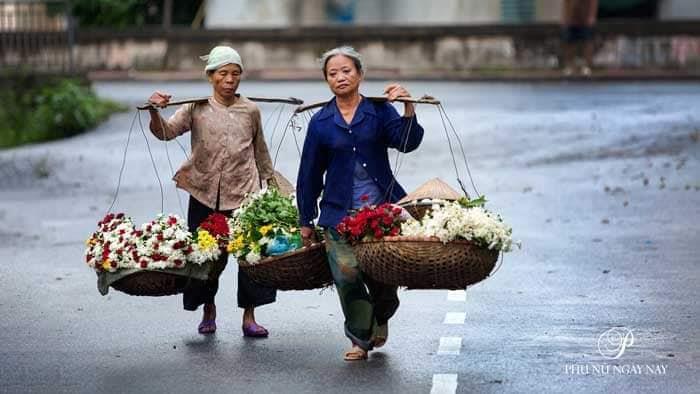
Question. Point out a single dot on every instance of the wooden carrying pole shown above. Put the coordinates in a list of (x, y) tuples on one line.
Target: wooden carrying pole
[(290, 100), (378, 99)]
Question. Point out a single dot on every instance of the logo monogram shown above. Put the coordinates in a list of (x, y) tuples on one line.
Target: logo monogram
[(613, 342)]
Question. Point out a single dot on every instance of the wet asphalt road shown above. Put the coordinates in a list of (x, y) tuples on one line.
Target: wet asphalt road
[(601, 182)]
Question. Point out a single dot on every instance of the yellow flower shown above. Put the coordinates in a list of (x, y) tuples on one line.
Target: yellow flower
[(265, 229), (293, 230), (235, 245), (106, 265), (206, 241)]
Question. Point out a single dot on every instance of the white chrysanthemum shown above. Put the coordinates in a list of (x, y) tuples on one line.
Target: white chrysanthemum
[(452, 221), (202, 255), (252, 257)]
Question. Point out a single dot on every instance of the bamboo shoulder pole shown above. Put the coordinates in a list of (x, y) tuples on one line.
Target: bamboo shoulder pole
[(289, 100), (377, 99)]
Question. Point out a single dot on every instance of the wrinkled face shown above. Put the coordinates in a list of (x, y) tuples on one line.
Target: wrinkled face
[(225, 80), (342, 75)]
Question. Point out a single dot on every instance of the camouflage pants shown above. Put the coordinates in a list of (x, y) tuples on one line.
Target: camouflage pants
[(365, 303)]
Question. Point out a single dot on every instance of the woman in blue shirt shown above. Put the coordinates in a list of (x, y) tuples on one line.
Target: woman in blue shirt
[(347, 142)]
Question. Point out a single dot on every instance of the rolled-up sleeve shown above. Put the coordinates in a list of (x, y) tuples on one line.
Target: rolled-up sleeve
[(178, 124), (314, 161), (400, 132), (262, 154)]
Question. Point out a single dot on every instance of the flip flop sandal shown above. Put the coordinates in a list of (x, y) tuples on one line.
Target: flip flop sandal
[(207, 327), (355, 355), (254, 331)]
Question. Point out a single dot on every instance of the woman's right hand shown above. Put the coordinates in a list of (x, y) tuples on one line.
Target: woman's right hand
[(308, 236), (159, 99)]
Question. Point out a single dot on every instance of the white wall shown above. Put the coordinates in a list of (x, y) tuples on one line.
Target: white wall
[(248, 13), (426, 12), (679, 9)]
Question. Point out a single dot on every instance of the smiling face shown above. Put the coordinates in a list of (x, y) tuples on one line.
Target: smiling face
[(225, 81), (342, 76)]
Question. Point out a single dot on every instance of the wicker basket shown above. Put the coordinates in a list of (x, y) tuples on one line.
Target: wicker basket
[(302, 269), (151, 283), (425, 263)]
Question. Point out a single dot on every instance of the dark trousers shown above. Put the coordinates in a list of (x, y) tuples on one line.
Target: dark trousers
[(198, 292), (365, 303)]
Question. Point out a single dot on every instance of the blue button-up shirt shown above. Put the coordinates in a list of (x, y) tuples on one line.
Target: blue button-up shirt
[(332, 147)]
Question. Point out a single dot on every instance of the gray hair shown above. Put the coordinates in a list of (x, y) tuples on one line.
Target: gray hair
[(346, 51)]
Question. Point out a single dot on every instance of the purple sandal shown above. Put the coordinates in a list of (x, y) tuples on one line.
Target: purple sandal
[(207, 327), (253, 330)]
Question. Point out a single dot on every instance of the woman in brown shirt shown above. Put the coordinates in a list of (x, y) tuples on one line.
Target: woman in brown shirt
[(229, 159)]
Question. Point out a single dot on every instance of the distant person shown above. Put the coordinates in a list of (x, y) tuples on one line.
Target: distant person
[(345, 160), (578, 21), (229, 159)]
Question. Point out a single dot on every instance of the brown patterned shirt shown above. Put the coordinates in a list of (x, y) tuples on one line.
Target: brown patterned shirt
[(229, 154)]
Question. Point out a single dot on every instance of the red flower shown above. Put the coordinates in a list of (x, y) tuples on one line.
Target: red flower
[(144, 263), (216, 224), (371, 222)]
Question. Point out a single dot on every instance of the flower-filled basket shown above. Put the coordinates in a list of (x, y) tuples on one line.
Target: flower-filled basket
[(157, 259), (456, 244), (266, 240)]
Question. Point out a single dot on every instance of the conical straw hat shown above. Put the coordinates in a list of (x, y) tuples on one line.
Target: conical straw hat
[(435, 188), (285, 187)]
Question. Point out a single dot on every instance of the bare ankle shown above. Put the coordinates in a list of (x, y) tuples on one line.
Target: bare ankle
[(209, 312), (248, 315)]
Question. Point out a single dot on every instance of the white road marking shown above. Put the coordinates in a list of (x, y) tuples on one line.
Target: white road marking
[(456, 295), (450, 346), (455, 318), (444, 383)]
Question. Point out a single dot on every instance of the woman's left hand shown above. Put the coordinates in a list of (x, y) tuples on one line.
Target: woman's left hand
[(394, 91)]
